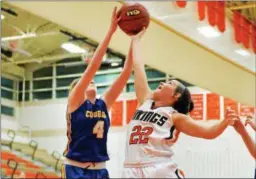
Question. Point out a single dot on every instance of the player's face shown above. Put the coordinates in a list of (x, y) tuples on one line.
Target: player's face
[(92, 89), (166, 88), (166, 91)]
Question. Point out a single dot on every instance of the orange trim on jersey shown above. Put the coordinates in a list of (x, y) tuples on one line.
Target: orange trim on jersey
[(181, 173), (68, 118), (63, 172)]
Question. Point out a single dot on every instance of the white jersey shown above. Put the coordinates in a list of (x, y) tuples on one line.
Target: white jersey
[(150, 136)]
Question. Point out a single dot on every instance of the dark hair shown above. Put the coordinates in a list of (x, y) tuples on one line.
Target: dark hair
[(184, 104)]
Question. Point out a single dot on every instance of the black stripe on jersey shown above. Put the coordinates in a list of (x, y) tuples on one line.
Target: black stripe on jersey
[(171, 132), (177, 174)]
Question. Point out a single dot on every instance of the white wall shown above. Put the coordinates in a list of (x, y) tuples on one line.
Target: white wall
[(9, 122), (12, 122), (44, 115), (223, 157)]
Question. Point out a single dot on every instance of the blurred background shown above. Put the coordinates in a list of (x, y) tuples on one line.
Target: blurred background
[(209, 46)]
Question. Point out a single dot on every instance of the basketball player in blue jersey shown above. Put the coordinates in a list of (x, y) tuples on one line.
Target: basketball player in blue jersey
[(88, 119), (248, 141)]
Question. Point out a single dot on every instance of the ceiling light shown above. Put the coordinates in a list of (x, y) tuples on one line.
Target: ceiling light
[(114, 64), (243, 52), (23, 36), (72, 48), (208, 31), (2, 16)]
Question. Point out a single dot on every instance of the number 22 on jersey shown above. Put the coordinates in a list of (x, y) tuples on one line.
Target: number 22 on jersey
[(140, 134)]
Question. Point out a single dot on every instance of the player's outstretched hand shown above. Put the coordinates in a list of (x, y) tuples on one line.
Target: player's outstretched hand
[(251, 122), (138, 36), (114, 21)]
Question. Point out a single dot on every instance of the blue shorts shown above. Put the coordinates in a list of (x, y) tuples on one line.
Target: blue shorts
[(72, 172)]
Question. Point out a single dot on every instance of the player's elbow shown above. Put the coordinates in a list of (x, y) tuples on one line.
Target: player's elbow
[(209, 137), (207, 134), (254, 155), (203, 135)]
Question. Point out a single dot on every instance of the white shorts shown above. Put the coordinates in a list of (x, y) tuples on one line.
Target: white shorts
[(161, 170)]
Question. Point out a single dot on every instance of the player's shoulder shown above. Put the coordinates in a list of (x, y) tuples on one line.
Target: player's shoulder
[(146, 102), (178, 117), (167, 109), (100, 102), (77, 109)]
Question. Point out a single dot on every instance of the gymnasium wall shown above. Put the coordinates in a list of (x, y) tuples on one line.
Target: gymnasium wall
[(9, 113), (9, 121), (225, 156)]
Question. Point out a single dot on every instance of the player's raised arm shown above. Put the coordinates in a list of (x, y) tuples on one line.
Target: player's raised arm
[(116, 88), (185, 124), (77, 95), (248, 141), (250, 120), (142, 89)]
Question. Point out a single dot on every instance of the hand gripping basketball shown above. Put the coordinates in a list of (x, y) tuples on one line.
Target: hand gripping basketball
[(139, 35)]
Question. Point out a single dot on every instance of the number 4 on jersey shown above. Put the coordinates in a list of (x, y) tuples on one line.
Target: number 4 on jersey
[(140, 135), (99, 129)]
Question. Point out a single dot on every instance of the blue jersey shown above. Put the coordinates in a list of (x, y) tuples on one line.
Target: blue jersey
[(83, 145)]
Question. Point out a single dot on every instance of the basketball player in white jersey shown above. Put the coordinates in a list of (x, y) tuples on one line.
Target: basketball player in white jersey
[(155, 126)]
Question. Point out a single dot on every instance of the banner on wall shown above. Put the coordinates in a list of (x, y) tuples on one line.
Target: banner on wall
[(117, 114), (246, 110), (213, 106), (201, 6), (231, 104), (181, 3), (131, 106), (198, 111)]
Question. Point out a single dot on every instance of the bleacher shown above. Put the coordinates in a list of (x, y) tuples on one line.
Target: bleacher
[(27, 158)]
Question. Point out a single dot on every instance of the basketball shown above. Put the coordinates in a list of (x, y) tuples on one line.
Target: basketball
[(133, 18)]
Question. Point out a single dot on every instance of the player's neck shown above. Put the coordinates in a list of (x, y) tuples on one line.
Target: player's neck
[(92, 99), (157, 104)]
